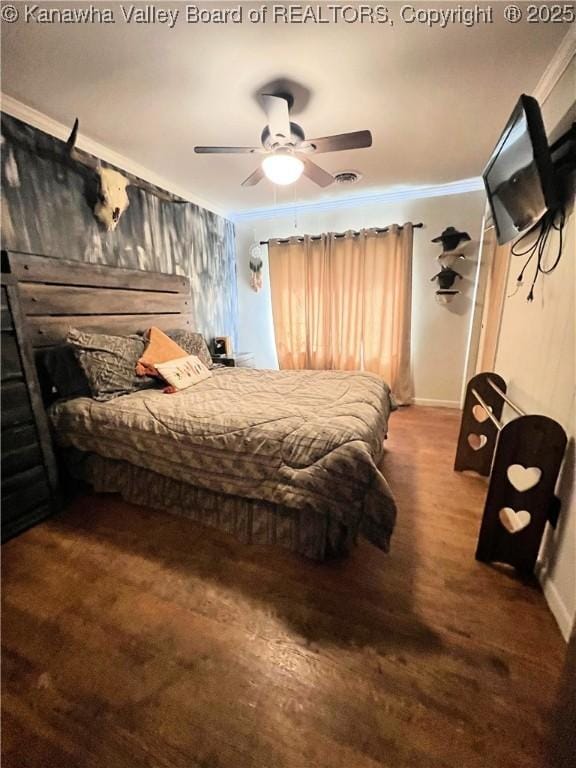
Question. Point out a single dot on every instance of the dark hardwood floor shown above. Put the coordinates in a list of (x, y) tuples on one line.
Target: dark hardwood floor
[(135, 638)]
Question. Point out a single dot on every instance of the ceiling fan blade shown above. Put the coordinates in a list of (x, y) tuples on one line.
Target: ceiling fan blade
[(278, 114), (316, 174), (354, 140), (254, 178), (225, 150)]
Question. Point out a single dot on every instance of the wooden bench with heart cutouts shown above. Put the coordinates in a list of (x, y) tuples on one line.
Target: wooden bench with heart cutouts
[(522, 457)]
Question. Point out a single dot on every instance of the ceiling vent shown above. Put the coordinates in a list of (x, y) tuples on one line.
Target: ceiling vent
[(347, 177)]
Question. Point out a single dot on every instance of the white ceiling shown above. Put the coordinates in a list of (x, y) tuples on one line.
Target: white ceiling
[(434, 99)]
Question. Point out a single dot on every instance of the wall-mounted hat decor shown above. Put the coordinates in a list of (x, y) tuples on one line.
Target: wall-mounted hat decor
[(446, 278), (451, 238)]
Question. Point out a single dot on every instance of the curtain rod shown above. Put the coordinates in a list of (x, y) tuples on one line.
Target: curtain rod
[(338, 234)]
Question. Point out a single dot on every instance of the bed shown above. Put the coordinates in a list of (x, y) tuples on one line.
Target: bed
[(285, 457)]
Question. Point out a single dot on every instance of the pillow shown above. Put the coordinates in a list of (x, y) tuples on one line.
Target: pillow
[(183, 372), (65, 373), (160, 349), (109, 363), (193, 344)]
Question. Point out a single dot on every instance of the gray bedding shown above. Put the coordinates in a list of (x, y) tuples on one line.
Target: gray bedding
[(306, 440)]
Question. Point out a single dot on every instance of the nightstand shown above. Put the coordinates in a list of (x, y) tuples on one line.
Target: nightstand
[(239, 360)]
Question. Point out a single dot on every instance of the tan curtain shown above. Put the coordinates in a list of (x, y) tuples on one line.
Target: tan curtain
[(388, 308), (344, 302), (346, 266), (300, 303)]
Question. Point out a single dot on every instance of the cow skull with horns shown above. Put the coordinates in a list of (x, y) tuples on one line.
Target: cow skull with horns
[(112, 196)]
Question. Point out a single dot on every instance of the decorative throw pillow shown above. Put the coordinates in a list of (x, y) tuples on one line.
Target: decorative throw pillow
[(160, 348), (193, 343), (183, 372), (64, 372), (109, 363)]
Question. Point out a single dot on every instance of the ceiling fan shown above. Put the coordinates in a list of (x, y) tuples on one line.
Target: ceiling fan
[(286, 149)]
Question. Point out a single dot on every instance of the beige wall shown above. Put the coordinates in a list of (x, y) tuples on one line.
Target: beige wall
[(439, 333), (535, 355)]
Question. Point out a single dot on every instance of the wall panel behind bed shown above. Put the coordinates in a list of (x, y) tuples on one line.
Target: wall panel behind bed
[(45, 211)]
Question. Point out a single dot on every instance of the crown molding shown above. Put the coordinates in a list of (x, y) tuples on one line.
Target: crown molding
[(385, 196), (60, 131), (557, 66)]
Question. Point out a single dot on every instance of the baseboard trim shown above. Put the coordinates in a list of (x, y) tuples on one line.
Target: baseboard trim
[(555, 603), (437, 403)]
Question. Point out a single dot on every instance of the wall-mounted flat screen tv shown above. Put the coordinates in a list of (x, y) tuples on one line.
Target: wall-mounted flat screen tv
[(519, 177)]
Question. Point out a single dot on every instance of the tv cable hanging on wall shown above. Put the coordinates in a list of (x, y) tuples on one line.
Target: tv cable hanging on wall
[(537, 247)]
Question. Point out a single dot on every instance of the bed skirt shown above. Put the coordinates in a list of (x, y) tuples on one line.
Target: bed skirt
[(250, 521)]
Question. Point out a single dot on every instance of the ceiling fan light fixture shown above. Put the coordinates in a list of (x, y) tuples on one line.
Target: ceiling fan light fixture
[(282, 168)]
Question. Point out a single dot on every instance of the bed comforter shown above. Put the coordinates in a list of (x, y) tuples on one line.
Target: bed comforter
[(308, 440)]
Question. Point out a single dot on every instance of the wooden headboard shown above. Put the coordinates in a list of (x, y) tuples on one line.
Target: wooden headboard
[(57, 294)]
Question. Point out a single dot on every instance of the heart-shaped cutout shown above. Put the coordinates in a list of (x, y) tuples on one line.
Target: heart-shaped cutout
[(476, 441), (523, 478), (513, 521), (480, 414)]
